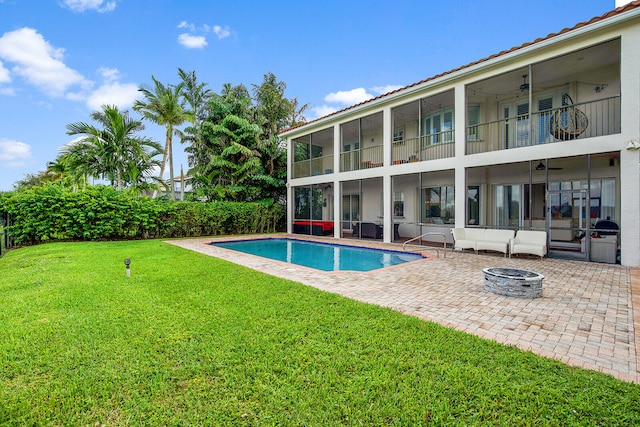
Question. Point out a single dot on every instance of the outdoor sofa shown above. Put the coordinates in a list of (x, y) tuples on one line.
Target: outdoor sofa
[(529, 242), (479, 239)]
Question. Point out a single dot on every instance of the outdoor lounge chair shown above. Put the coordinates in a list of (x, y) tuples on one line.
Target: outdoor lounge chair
[(529, 242)]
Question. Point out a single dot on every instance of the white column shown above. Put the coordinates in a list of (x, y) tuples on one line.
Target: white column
[(630, 159), (290, 200), (337, 194), (387, 132), (461, 135)]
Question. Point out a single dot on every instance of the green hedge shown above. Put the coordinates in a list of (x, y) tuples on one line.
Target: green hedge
[(51, 212)]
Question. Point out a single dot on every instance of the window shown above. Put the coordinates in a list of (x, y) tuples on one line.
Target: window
[(308, 203), (473, 120), (398, 204), (473, 205), (439, 205), (437, 128), (522, 125), (398, 134), (508, 213), (544, 119)]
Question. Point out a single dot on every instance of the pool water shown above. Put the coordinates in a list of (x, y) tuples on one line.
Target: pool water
[(321, 256)]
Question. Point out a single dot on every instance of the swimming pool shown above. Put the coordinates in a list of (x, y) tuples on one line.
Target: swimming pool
[(321, 256)]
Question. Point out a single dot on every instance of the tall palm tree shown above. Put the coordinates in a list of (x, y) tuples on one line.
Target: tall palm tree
[(114, 152), (196, 96), (164, 106)]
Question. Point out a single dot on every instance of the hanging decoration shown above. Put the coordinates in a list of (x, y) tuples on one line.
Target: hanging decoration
[(568, 122)]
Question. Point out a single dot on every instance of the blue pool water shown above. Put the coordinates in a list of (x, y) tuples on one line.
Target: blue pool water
[(321, 256)]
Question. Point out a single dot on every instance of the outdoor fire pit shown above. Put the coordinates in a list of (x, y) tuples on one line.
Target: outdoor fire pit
[(513, 282)]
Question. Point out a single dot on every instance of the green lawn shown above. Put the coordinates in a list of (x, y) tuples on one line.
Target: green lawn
[(193, 340)]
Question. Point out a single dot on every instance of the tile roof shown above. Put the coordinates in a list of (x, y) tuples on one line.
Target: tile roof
[(629, 6)]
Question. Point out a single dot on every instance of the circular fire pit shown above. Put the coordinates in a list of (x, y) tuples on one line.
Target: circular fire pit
[(513, 282)]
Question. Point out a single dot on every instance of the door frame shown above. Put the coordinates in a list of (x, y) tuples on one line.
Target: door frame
[(585, 246)]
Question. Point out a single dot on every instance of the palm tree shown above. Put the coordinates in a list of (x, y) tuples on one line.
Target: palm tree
[(66, 169), (113, 152), (164, 106), (195, 95)]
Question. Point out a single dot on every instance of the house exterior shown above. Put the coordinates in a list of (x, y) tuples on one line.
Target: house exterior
[(544, 136)]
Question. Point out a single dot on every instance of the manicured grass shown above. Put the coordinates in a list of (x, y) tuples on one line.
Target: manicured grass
[(193, 340)]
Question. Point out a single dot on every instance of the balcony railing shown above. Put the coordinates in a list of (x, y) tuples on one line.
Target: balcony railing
[(577, 121), (428, 147), (316, 166), (366, 158)]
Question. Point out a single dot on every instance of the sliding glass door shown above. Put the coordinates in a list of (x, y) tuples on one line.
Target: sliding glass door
[(350, 211), (509, 212)]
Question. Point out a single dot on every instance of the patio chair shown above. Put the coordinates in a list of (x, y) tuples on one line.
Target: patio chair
[(529, 242)]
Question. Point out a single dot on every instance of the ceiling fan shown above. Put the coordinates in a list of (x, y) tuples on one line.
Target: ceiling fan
[(524, 86), (542, 166)]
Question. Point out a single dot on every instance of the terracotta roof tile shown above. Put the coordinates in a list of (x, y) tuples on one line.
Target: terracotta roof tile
[(632, 5)]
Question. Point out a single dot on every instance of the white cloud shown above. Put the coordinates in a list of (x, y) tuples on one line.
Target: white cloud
[(113, 93), (195, 37), (14, 154), (82, 5), (38, 62), (349, 97), (381, 90), (7, 91), (4, 74), (192, 42), (222, 33), (110, 92), (109, 74), (321, 111), (187, 25)]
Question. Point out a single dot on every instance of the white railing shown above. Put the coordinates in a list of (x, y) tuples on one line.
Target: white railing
[(369, 157), (428, 147), (430, 233), (316, 166), (569, 122)]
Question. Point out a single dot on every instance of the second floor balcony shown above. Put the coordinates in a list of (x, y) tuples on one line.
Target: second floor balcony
[(568, 122), (434, 146), (320, 165), (365, 158)]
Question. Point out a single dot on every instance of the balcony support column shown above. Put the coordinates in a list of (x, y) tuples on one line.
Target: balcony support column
[(337, 188), (461, 139), (290, 201), (629, 156), (387, 208)]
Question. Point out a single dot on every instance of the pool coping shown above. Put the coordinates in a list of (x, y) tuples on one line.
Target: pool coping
[(226, 239)]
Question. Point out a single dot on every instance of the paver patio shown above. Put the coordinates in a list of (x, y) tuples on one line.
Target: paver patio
[(585, 316)]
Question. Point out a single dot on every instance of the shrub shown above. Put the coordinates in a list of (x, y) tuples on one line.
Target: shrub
[(42, 214)]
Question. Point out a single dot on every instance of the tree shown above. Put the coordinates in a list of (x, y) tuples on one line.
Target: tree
[(207, 180), (31, 180), (196, 97), (195, 94), (164, 106), (273, 113), (114, 152), (238, 152), (271, 105), (67, 169), (235, 162), (296, 118)]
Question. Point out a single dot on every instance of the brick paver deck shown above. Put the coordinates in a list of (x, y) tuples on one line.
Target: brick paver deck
[(585, 316)]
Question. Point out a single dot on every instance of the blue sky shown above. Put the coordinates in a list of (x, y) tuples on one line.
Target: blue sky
[(62, 59)]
